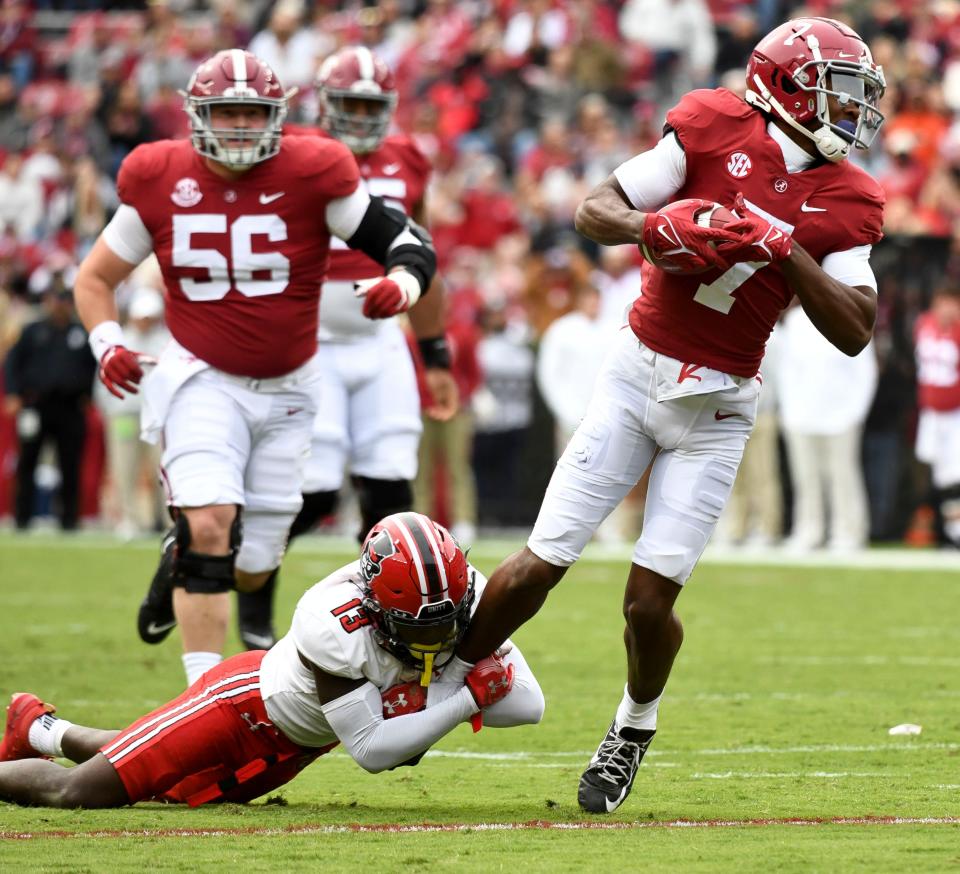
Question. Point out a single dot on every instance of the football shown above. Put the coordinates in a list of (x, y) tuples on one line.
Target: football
[(705, 213)]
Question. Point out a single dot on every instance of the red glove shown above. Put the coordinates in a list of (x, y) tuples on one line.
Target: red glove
[(403, 698), (759, 240), (672, 234), (489, 681), (120, 369), (388, 295)]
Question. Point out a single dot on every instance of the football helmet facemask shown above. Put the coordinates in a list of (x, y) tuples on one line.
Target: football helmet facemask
[(796, 67), (356, 73), (235, 76), (418, 590)]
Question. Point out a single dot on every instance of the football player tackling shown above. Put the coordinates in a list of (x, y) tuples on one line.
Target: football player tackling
[(368, 415), (241, 221), (363, 665), (680, 388)]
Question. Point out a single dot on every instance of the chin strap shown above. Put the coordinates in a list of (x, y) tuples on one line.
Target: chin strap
[(829, 144), (427, 675)]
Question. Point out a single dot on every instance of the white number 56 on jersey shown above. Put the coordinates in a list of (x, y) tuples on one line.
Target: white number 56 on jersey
[(237, 270)]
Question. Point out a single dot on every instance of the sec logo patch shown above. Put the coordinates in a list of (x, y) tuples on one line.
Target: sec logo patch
[(739, 165)]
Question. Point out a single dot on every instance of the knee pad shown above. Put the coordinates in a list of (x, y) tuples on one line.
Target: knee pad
[(316, 506), (379, 498), (199, 573)]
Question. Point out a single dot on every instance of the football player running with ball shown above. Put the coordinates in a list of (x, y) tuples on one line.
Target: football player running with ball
[(241, 221), (363, 665), (368, 415), (680, 388)]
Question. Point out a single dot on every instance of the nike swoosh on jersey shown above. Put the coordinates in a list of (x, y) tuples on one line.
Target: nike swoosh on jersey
[(160, 627), (270, 198), (805, 208), (721, 416), (391, 169)]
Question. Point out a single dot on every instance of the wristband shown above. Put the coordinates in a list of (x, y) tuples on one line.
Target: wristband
[(435, 352), (104, 336)]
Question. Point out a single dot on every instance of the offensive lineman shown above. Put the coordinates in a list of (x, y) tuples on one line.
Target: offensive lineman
[(368, 414), (362, 665), (241, 221), (681, 386)]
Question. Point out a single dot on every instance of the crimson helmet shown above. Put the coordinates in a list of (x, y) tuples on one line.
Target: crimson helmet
[(235, 76), (418, 589), (356, 72), (796, 66)]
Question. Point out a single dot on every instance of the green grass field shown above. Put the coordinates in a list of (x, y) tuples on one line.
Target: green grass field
[(778, 710)]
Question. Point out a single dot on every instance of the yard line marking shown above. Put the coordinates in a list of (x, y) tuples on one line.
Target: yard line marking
[(867, 660), (532, 825), (779, 775), (529, 755)]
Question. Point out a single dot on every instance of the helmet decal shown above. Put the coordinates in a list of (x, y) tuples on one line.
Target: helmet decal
[(374, 552)]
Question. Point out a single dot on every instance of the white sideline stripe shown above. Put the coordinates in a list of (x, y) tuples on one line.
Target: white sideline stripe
[(495, 549), (535, 825)]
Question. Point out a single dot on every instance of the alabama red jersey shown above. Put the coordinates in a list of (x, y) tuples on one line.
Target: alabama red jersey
[(938, 363), (722, 319), (243, 260), (398, 172)]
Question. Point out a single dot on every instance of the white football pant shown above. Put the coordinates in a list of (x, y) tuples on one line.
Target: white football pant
[(237, 440), (692, 474)]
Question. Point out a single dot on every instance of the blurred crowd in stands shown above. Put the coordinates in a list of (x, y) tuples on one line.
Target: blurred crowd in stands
[(523, 106)]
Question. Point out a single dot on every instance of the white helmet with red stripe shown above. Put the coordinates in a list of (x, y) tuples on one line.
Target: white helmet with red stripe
[(235, 76), (418, 589), (353, 74)]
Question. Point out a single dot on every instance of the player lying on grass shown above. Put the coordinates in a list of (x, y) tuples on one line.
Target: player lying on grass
[(362, 665)]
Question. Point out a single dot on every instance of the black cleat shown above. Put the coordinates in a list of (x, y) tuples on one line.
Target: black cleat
[(155, 619), (255, 615), (609, 777)]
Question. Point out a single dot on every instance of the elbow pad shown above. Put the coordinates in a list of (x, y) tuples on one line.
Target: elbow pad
[(395, 240)]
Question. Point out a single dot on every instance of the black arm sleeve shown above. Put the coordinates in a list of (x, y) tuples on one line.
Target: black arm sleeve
[(380, 227)]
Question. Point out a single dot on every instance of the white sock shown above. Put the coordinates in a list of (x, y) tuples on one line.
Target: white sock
[(46, 735), (196, 664), (634, 715)]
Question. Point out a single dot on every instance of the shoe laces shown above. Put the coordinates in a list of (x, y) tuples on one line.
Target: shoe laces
[(616, 760)]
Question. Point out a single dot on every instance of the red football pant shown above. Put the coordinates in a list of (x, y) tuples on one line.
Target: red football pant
[(212, 743)]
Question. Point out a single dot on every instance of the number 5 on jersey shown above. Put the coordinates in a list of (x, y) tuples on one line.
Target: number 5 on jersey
[(235, 271)]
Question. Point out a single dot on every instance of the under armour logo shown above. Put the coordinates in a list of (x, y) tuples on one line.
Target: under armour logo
[(393, 706), (502, 683)]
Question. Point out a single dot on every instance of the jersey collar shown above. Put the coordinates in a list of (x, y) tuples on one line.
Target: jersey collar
[(794, 157)]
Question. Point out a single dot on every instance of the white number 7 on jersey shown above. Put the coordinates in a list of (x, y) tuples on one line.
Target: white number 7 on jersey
[(718, 295)]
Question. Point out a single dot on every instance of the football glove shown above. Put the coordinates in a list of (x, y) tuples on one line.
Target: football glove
[(758, 239), (673, 235), (388, 295), (403, 698), (490, 681), (120, 369)]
